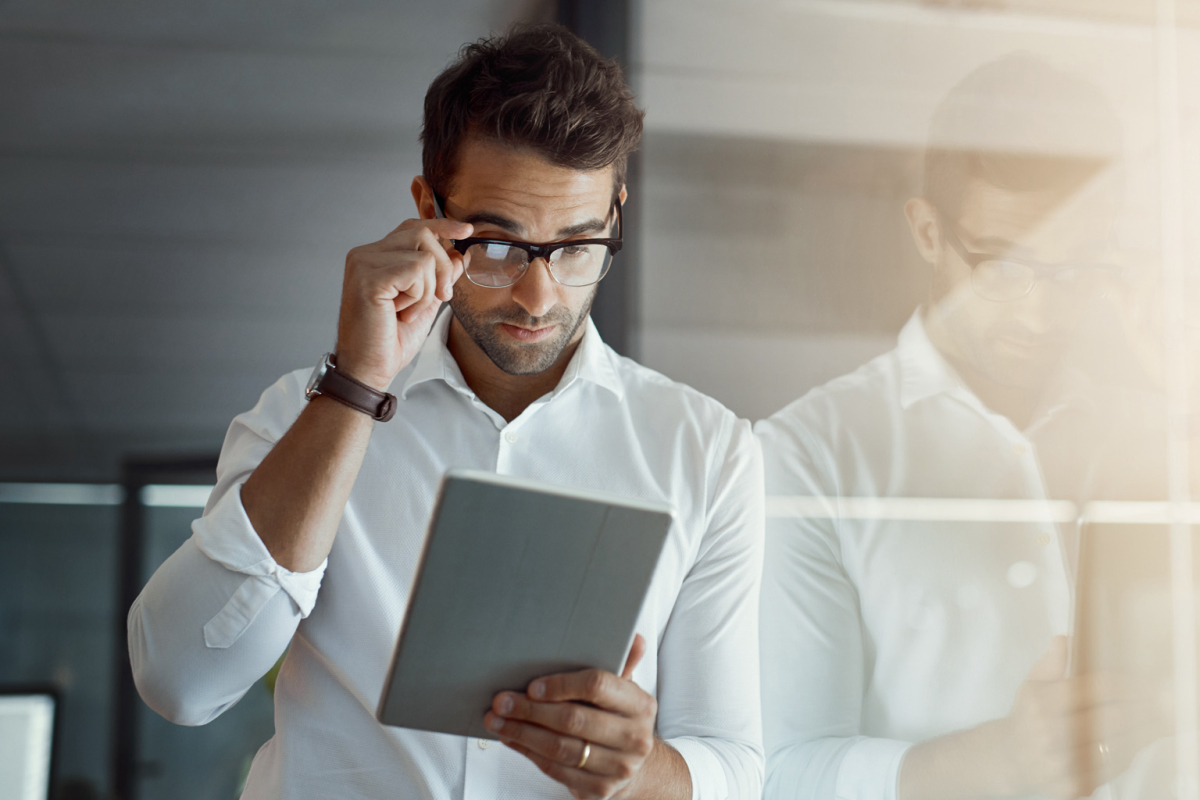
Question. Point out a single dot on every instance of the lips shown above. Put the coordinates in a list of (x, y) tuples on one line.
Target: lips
[(525, 334), (1033, 348)]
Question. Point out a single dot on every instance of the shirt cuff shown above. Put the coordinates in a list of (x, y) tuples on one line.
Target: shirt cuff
[(870, 770), (226, 536), (708, 775)]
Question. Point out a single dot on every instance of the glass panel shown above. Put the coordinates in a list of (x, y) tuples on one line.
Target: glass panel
[(57, 594), (964, 464)]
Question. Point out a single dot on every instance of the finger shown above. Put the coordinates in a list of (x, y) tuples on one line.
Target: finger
[(406, 235), (635, 656), (441, 227), (417, 298), (581, 783), (1052, 666), (406, 278), (445, 267), (446, 280), (1092, 766), (448, 263), (595, 686), (577, 721), (1112, 723), (420, 315), (398, 276), (1058, 702), (1094, 691), (565, 750)]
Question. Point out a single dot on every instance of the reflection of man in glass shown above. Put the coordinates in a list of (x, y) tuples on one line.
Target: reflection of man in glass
[(913, 650)]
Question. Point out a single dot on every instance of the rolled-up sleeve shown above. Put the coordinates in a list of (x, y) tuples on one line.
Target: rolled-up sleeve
[(813, 666), (708, 659), (220, 611)]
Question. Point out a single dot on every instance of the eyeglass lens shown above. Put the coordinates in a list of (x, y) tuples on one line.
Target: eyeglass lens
[(1009, 280), (497, 265)]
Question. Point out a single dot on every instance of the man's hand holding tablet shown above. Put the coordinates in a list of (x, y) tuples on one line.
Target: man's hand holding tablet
[(590, 730)]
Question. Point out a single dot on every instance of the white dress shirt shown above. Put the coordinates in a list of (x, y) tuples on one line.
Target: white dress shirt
[(882, 632), (220, 611)]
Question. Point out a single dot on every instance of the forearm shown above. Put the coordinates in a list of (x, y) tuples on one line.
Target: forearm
[(664, 776), (295, 498), (959, 766)]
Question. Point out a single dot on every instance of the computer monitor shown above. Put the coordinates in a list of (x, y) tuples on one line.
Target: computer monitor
[(27, 722)]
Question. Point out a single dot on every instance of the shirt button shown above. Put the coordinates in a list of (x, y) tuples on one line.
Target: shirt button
[(1019, 449), (484, 744), (1043, 539), (510, 437)]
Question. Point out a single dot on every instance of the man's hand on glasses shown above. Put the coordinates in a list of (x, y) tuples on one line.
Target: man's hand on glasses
[(391, 292)]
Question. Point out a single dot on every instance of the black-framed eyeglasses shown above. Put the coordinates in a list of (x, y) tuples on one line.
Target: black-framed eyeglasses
[(1006, 278), (497, 263)]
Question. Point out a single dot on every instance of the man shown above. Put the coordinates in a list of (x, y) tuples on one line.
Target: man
[(316, 524), (913, 647)]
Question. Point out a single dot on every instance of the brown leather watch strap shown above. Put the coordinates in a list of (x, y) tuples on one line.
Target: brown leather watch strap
[(341, 387)]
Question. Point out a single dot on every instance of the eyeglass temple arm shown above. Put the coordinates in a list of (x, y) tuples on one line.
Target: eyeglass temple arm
[(437, 205)]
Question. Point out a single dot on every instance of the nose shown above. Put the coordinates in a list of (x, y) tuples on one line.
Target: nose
[(1036, 309), (536, 291), (1049, 308)]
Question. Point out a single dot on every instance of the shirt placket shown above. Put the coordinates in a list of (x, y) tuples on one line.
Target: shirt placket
[(1051, 544), (508, 449), (514, 439), (481, 775)]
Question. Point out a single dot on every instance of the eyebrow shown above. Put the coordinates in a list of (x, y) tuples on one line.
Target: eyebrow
[(590, 226), (486, 218), (997, 244), (593, 225)]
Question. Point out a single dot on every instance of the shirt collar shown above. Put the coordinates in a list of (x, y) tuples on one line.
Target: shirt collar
[(434, 361), (593, 361), (923, 371)]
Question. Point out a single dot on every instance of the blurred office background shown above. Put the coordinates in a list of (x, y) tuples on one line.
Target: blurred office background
[(180, 182)]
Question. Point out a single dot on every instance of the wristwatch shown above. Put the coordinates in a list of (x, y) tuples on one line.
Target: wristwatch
[(327, 380)]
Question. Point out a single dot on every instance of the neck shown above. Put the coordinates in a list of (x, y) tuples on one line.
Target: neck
[(1016, 402), (507, 395)]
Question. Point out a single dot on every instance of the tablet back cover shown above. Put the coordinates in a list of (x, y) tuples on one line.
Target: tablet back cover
[(516, 582)]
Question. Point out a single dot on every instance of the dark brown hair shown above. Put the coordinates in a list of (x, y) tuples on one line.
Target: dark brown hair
[(1048, 130), (538, 86)]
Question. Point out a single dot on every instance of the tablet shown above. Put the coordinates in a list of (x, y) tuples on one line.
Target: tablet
[(1124, 615), (1125, 626), (517, 580)]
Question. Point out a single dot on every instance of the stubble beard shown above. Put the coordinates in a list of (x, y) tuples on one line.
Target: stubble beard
[(511, 356)]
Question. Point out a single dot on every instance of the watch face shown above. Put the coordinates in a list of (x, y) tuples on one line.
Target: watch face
[(310, 391)]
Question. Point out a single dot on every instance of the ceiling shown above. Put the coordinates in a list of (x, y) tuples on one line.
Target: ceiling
[(179, 184), (1139, 12)]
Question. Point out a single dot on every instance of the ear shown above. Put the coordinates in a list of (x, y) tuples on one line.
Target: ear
[(422, 194), (925, 229)]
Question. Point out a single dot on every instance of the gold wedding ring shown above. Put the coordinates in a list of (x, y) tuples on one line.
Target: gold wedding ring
[(587, 751)]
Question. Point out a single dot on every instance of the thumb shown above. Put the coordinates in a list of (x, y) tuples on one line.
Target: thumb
[(635, 656), (1052, 666)]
